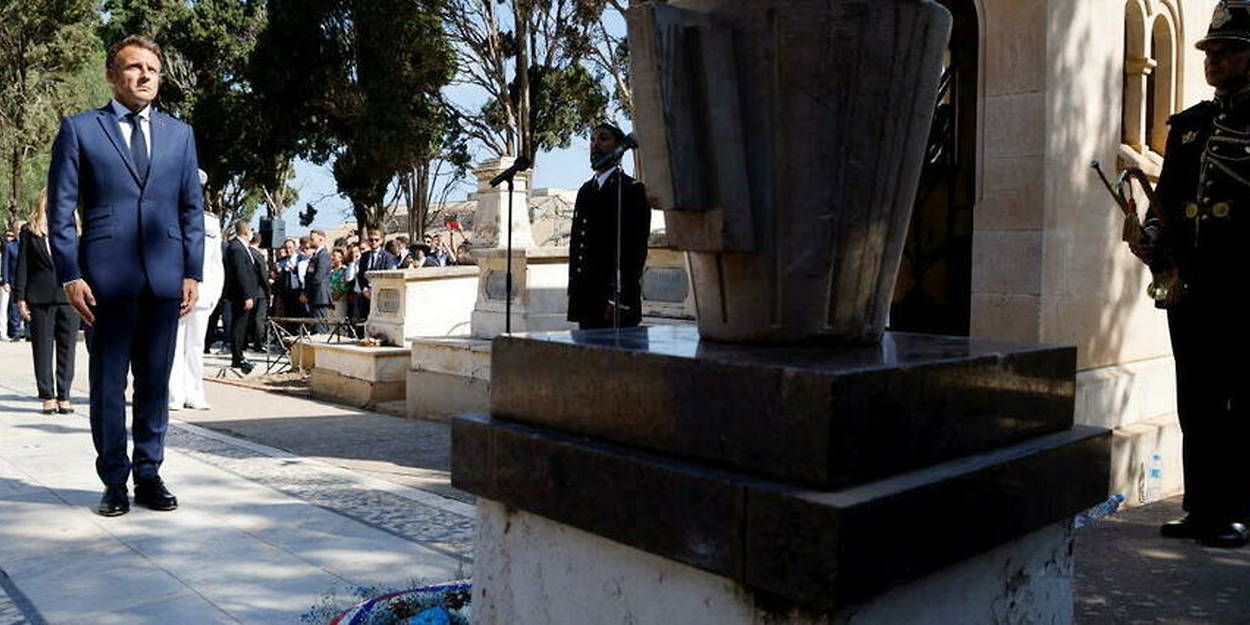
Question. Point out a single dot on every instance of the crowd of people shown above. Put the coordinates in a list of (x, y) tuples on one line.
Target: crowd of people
[(307, 279)]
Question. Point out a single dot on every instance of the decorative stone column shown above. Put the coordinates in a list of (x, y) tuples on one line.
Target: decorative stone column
[(490, 219), (540, 275)]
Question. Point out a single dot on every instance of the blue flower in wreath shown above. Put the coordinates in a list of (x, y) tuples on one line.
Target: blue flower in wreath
[(431, 616)]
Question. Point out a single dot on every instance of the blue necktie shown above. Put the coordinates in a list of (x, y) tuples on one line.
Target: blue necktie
[(138, 146)]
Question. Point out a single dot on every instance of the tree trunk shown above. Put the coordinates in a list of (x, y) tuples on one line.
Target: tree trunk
[(522, 12)]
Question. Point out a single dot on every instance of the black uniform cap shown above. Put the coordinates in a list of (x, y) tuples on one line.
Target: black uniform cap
[(1231, 22)]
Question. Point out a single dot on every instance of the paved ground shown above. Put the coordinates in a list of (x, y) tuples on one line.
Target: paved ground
[(261, 533), (285, 498)]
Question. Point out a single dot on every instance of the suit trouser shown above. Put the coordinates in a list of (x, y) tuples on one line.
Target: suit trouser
[(258, 334), (186, 378), (132, 334), (5, 294), (15, 318), (240, 321), (54, 332), (1211, 403)]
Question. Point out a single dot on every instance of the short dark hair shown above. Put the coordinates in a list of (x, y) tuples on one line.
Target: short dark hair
[(320, 233), (142, 41), (617, 133)]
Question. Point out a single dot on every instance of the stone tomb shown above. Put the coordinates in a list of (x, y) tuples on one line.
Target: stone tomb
[(799, 484)]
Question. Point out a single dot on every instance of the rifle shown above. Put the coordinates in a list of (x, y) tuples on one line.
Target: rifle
[(1166, 288)]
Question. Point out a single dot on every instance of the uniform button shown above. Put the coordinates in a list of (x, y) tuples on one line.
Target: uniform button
[(1206, 200), (1223, 116), (1208, 183)]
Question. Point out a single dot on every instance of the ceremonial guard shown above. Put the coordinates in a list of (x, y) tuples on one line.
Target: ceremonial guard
[(611, 223), (1196, 232)]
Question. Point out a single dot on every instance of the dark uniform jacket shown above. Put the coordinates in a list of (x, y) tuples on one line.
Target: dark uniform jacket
[(592, 251), (241, 283), (1204, 191)]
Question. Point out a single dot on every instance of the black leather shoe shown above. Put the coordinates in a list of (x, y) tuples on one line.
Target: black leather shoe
[(1229, 535), (245, 366), (1180, 528), (114, 502), (153, 494)]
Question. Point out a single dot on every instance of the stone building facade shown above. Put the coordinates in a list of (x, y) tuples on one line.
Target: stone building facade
[(1048, 86)]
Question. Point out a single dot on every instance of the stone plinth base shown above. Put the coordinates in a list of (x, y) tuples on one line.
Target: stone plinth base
[(448, 376), (540, 300), (430, 301), (1137, 400), (666, 290), (359, 376), (528, 569)]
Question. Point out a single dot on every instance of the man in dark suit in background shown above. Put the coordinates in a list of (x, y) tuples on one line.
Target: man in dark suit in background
[(12, 252), (260, 318), (317, 278), (374, 259), (243, 290), (137, 266)]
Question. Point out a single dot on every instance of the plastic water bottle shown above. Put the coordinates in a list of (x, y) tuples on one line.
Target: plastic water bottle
[(1102, 510), (1154, 478)]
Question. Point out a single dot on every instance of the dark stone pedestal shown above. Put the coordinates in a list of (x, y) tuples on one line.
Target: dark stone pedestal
[(821, 476)]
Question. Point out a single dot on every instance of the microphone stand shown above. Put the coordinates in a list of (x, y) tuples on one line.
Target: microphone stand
[(507, 176)]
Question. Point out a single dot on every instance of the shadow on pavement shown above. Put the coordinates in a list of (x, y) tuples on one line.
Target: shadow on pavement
[(1127, 574)]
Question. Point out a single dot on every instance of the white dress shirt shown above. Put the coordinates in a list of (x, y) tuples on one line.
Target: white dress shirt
[(145, 121), (602, 179)]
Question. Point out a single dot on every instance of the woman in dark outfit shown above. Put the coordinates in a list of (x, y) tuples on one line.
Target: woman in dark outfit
[(53, 323)]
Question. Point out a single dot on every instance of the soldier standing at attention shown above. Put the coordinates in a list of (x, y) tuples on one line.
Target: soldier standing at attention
[(611, 223), (1204, 191)]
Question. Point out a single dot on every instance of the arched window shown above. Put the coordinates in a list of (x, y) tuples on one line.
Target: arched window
[(1161, 84), (1152, 78), (1137, 66)]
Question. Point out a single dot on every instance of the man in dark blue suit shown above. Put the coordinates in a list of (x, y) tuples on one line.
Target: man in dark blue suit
[(316, 293), (375, 259), (12, 250), (137, 265)]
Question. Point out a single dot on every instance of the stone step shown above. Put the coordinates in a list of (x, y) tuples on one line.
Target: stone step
[(1131, 449)]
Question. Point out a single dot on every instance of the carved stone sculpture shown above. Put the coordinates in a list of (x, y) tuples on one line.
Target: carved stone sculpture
[(784, 139)]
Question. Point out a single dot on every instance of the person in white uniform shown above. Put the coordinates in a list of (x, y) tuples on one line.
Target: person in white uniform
[(186, 380)]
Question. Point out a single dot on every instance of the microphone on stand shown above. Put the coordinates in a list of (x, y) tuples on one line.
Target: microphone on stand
[(521, 164), (627, 144)]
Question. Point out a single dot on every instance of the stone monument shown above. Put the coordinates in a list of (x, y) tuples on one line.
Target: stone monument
[(539, 299), (789, 462)]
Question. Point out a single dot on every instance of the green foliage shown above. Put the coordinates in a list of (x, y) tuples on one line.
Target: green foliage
[(356, 82), (44, 51), (206, 45)]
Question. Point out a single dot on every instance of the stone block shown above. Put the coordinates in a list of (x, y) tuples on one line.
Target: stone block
[(435, 395), (1015, 48), (829, 417), (528, 569), (372, 364), (1128, 393), (683, 512), (1132, 448), (1006, 317), (402, 302), (462, 356), (1015, 125), (1013, 197), (332, 386), (1007, 261), (820, 549)]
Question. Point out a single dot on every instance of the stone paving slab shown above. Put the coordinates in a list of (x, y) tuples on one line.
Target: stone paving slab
[(261, 533)]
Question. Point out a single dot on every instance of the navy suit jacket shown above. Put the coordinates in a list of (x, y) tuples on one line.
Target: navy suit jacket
[(11, 254), (385, 262), (136, 233), (317, 279)]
